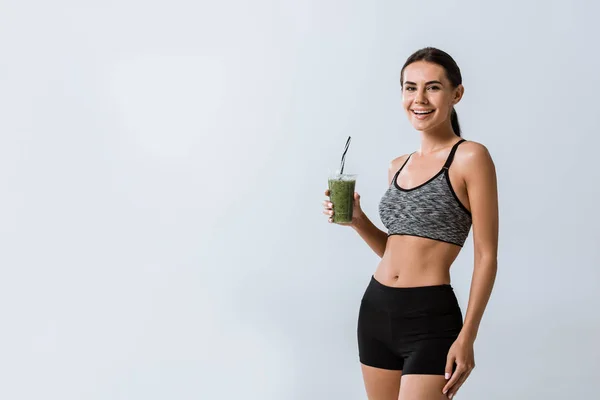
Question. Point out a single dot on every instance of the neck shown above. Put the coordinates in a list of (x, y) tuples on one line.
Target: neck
[(432, 141)]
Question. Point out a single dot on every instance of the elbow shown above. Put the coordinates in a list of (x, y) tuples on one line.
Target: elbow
[(487, 261), (486, 254)]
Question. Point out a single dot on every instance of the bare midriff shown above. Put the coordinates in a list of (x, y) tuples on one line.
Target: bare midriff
[(410, 261)]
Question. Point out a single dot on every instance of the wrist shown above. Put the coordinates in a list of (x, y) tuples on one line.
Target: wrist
[(467, 334), (358, 221)]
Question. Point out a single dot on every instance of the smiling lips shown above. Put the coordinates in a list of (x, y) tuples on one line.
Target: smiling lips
[(422, 114)]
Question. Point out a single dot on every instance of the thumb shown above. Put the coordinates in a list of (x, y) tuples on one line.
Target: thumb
[(449, 365), (356, 196)]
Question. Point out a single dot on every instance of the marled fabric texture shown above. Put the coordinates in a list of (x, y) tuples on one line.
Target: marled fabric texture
[(430, 210)]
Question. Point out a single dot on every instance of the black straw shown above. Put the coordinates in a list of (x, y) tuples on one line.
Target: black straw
[(344, 156)]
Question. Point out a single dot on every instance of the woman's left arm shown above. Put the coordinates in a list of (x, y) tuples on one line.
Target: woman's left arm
[(480, 179)]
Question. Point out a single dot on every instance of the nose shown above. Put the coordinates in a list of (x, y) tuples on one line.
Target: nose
[(420, 97)]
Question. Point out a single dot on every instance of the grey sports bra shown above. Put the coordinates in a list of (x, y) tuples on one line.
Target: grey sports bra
[(430, 210)]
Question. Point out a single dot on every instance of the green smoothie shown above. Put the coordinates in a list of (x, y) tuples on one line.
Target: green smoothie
[(341, 194)]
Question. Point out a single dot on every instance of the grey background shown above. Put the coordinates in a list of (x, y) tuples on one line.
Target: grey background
[(162, 167)]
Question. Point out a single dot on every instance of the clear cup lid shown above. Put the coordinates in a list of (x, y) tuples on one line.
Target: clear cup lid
[(344, 176)]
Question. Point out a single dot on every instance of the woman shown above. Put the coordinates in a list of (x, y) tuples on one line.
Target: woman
[(413, 343)]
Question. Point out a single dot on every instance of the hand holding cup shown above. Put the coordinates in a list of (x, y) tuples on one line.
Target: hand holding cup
[(329, 210)]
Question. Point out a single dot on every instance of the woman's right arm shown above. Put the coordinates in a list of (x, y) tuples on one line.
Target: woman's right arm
[(373, 236)]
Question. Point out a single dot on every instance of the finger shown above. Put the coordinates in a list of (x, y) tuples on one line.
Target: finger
[(455, 377), (326, 192), (454, 389), (449, 365), (453, 386), (328, 212), (327, 204), (330, 220)]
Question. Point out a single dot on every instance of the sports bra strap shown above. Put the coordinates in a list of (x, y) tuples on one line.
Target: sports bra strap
[(407, 158), (400, 169), (451, 155)]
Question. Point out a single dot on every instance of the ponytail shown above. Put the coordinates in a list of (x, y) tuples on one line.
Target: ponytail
[(454, 121)]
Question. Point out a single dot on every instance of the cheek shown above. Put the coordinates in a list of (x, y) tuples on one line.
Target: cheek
[(443, 101)]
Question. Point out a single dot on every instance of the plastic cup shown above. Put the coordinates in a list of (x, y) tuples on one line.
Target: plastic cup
[(341, 194)]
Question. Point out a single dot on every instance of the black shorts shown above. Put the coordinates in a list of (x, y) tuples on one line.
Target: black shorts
[(409, 329)]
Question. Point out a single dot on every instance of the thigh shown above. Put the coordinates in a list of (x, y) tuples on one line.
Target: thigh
[(424, 369), (381, 367), (422, 387), (373, 339), (381, 384), (428, 357)]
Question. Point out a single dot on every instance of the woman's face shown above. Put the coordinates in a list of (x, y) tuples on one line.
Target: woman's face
[(427, 95)]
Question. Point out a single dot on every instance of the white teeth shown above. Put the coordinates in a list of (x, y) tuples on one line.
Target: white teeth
[(422, 112)]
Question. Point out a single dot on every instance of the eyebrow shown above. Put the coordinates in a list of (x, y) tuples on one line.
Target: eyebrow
[(427, 83)]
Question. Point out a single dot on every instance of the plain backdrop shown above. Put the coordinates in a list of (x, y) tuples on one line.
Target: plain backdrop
[(162, 168)]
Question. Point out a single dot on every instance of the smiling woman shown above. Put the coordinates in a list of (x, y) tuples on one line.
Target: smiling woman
[(412, 341), (431, 62)]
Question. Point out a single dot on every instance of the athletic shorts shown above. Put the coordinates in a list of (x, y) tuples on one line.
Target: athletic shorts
[(409, 329)]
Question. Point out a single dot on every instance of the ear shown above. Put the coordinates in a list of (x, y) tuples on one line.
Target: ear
[(458, 94)]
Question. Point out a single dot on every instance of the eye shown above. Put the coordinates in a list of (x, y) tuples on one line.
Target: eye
[(434, 87), (410, 89)]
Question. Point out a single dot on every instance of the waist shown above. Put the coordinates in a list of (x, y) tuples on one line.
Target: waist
[(412, 301), (419, 245), (414, 261)]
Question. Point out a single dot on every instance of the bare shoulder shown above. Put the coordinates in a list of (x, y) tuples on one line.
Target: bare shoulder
[(397, 162), (472, 154), (395, 165), (474, 163)]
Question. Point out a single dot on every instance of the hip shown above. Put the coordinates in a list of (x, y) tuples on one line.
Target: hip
[(420, 312)]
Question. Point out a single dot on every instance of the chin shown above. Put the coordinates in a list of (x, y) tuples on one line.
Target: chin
[(424, 126)]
